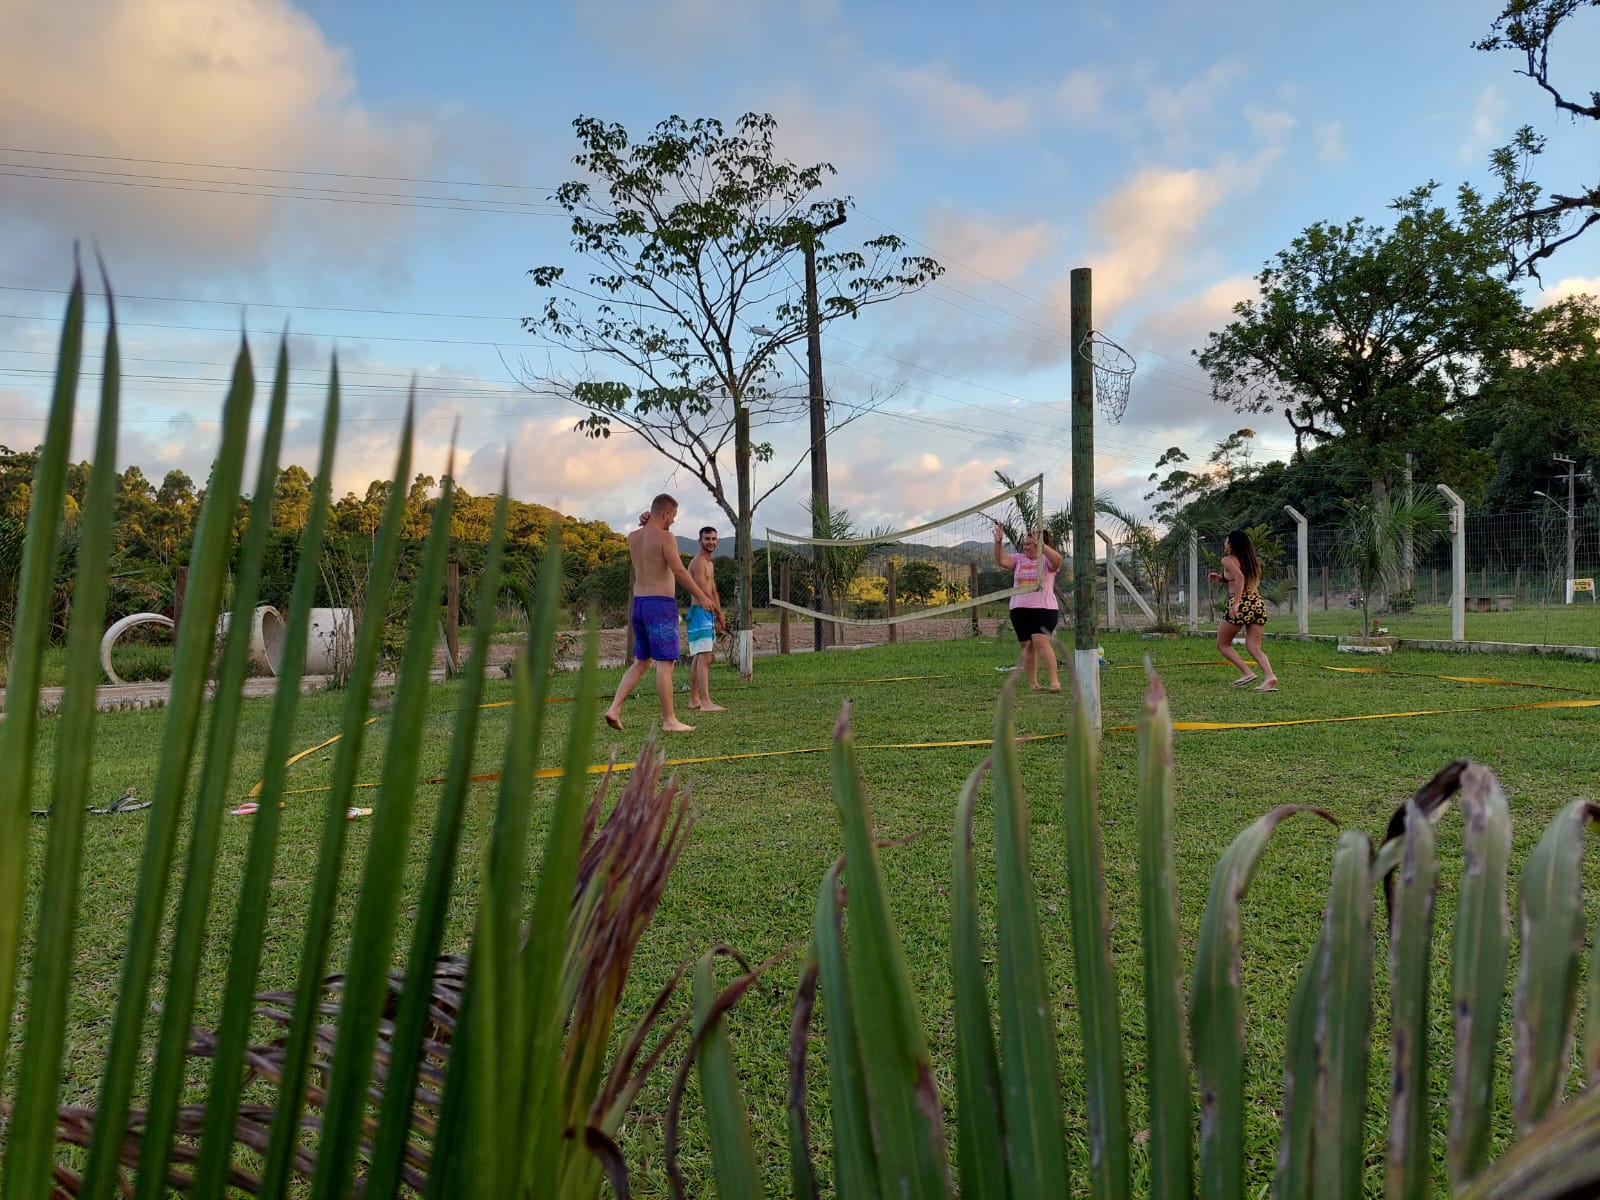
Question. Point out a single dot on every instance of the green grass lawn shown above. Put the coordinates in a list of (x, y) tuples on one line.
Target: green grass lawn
[(1541, 624), (766, 831)]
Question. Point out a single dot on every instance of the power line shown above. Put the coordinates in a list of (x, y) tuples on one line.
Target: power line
[(242, 304), (164, 162), (354, 337), (487, 207), (78, 173)]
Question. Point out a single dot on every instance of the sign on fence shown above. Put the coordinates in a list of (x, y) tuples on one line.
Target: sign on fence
[(1574, 586)]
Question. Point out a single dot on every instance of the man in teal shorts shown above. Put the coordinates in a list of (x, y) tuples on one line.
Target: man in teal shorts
[(653, 552), (704, 625)]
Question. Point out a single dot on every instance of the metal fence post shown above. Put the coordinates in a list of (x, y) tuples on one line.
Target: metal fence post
[(1194, 582), (1302, 567), (1111, 581), (1458, 564)]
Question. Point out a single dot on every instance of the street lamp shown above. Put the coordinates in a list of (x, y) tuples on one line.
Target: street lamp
[(1550, 498), (1567, 510)]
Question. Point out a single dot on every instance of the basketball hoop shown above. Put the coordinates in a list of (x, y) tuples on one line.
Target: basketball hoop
[(1113, 373)]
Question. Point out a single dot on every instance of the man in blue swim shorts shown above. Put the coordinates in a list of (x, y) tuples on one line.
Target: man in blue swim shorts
[(653, 552)]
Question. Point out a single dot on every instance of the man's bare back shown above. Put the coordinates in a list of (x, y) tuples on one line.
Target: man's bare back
[(656, 565), (653, 551)]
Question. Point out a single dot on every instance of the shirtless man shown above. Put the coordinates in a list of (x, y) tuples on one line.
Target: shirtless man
[(653, 553), (704, 625)]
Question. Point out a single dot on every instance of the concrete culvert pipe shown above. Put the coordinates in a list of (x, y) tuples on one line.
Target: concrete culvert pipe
[(330, 641), (266, 638), (120, 627)]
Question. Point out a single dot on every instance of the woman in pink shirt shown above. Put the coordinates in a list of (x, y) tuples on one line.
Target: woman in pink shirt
[(1033, 614)]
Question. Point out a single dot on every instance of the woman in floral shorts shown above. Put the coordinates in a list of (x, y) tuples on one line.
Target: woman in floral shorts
[(1241, 571)]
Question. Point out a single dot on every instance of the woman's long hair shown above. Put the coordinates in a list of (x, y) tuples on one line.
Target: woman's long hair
[(1239, 545)]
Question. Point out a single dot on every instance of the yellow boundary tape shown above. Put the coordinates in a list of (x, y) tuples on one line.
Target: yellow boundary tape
[(1179, 726)]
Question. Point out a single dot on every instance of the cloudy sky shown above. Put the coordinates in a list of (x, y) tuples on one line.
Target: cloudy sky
[(377, 178)]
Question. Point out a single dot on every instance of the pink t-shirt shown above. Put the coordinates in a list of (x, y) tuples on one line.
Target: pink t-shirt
[(1025, 571)]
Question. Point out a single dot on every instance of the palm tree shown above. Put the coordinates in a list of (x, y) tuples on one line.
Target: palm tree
[(1372, 536), (838, 566)]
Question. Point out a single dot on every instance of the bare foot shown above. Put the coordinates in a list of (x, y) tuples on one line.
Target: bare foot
[(613, 720), (708, 707), (1054, 687), (694, 704), (1269, 685), (676, 727)]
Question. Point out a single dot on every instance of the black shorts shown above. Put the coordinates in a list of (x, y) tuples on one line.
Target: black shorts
[(1029, 621)]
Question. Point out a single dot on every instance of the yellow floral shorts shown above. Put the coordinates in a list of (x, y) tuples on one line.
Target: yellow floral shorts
[(1248, 609)]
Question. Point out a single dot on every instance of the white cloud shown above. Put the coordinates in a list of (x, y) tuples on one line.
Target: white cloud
[(996, 248), (1176, 110), (1270, 125), (1331, 144), (958, 109), (848, 135), (1187, 320), (1147, 224), (197, 81), (1488, 124), (1565, 289), (667, 35), (1083, 95)]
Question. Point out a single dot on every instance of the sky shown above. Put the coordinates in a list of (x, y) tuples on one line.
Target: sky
[(377, 179)]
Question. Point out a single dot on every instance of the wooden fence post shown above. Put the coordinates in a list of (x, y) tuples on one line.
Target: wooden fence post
[(783, 613), (888, 591), (452, 612), (972, 591), (180, 585)]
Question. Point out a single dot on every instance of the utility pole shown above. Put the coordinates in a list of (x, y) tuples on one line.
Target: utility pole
[(1572, 513), (819, 418), (1085, 658)]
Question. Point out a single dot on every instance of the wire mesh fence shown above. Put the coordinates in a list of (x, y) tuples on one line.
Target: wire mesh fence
[(1530, 578), (1516, 568), (1519, 588)]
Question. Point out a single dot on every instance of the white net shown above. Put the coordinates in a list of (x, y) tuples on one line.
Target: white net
[(1113, 373), (890, 576)]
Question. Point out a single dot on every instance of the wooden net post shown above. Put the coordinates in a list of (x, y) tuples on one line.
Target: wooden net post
[(972, 592), (783, 613), (452, 611), (894, 630)]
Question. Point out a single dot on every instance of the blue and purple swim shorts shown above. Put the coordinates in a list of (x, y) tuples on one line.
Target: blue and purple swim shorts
[(655, 628)]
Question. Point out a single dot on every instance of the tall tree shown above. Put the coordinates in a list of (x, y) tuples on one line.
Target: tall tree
[(419, 507), (173, 516), (291, 498), (1371, 334), (1537, 223), (1545, 402), (16, 481), (688, 293), (135, 505)]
